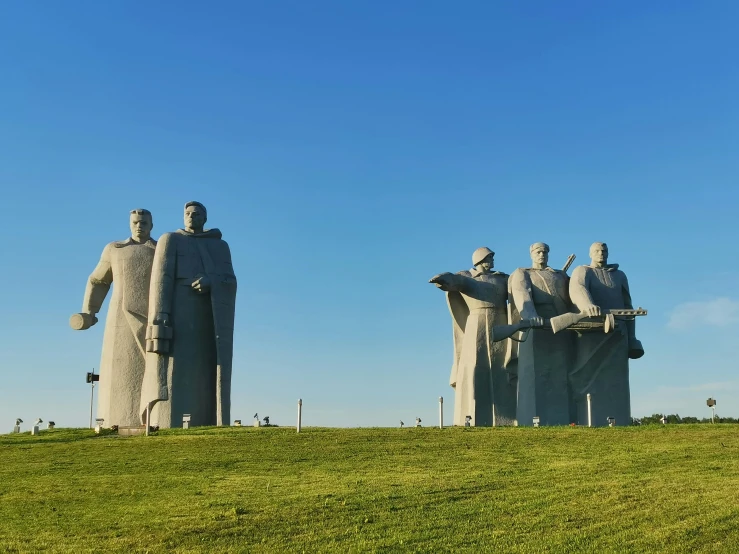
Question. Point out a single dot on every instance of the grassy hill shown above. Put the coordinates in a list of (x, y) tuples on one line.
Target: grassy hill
[(648, 489)]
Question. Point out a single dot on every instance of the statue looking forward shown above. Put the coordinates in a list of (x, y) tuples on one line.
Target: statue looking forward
[(126, 265), (191, 320)]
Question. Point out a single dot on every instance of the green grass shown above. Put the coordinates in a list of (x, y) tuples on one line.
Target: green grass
[(649, 489)]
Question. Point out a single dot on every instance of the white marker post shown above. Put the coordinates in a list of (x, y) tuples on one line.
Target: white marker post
[(300, 413), (148, 418), (590, 412), (441, 412)]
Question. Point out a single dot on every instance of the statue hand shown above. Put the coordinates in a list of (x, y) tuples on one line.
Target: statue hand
[(441, 280), (201, 285), (534, 322), (591, 311), (82, 321), (161, 319)]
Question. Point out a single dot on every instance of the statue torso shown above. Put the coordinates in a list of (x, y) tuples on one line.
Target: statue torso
[(606, 287), (491, 290)]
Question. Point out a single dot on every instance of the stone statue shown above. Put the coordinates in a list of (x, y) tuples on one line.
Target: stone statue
[(477, 302), (127, 265), (601, 365), (544, 358), (189, 340)]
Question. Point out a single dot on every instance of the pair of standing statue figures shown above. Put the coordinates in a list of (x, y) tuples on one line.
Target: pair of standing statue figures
[(536, 343), (168, 341)]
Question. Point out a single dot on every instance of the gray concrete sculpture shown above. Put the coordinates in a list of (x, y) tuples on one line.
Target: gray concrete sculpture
[(544, 358), (127, 266), (601, 367), (477, 302), (189, 339)]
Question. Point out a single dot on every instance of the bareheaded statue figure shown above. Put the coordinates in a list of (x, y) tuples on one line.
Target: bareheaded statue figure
[(601, 366), (126, 265), (477, 302), (544, 358), (189, 339)]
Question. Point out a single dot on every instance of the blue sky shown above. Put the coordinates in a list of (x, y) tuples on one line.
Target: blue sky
[(349, 151)]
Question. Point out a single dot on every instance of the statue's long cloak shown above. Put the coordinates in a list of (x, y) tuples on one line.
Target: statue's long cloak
[(483, 389), (127, 266), (195, 377)]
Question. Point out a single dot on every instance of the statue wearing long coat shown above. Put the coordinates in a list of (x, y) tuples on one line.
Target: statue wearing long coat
[(194, 375)]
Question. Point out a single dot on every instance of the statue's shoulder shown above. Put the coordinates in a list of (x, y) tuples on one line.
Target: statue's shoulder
[(465, 273)]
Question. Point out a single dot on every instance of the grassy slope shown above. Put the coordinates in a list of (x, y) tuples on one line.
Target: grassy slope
[(660, 488)]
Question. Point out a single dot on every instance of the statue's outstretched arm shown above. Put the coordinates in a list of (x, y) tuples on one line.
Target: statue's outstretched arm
[(98, 285), (453, 282)]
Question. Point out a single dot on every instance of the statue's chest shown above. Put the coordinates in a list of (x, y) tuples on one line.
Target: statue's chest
[(491, 290), (132, 263)]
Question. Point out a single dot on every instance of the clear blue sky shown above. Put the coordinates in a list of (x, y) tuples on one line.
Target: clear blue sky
[(351, 150)]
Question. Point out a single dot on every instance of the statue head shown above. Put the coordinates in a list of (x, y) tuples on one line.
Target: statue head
[(195, 217), (539, 254), (599, 254), (141, 225), (483, 259)]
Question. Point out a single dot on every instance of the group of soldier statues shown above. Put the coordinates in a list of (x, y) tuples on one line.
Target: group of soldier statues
[(541, 347), (168, 340)]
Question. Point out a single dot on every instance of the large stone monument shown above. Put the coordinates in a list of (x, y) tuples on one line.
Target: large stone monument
[(127, 266), (544, 358), (189, 340), (477, 302), (601, 366)]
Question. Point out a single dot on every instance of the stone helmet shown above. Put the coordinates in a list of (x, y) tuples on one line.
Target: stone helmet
[(480, 254)]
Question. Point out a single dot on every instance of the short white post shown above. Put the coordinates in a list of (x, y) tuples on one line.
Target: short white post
[(713, 414), (590, 412), (300, 413), (148, 419), (441, 412)]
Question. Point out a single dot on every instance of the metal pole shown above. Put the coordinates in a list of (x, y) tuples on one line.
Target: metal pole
[(148, 418), (590, 412), (92, 395), (300, 413), (713, 414), (441, 412)]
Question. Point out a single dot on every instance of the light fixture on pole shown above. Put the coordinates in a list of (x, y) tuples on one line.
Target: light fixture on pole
[(91, 378), (468, 421), (186, 421), (17, 428), (611, 421), (711, 403), (34, 429), (536, 421)]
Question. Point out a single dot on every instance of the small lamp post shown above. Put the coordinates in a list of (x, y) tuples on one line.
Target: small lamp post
[(611, 421), (711, 403), (99, 425), (418, 422), (17, 428), (468, 421), (50, 425), (186, 418), (536, 421)]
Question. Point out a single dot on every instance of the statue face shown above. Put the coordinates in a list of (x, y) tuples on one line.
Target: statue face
[(599, 253), (141, 226), (194, 218), (540, 257), (487, 263)]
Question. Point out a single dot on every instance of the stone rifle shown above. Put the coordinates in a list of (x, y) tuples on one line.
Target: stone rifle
[(607, 320)]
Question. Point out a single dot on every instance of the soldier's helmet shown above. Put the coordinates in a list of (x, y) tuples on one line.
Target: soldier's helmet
[(480, 254)]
